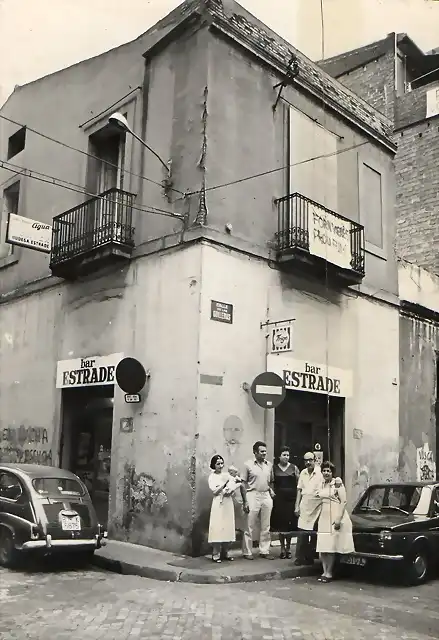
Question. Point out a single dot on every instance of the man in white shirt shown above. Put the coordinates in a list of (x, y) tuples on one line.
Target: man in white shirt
[(258, 478), (307, 509)]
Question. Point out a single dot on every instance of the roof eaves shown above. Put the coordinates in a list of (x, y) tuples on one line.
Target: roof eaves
[(313, 79)]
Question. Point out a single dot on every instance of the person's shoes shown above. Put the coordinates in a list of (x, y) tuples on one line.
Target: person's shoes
[(248, 557), (266, 556), (299, 563), (288, 555), (283, 555)]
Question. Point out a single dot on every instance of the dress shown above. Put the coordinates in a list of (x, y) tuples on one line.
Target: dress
[(222, 512), (328, 539), (283, 519)]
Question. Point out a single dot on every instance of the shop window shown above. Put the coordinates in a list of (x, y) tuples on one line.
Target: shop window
[(16, 142)]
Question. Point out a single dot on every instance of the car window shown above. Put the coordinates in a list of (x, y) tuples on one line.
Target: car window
[(392, 497), (58, 486), (435, 502), (10, 486)]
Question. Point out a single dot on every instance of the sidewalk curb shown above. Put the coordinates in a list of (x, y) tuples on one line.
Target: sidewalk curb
[(198, 577)]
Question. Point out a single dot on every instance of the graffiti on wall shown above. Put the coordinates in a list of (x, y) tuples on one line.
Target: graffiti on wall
[(232, 432), (25, 445), (425, 464), (375, 461)]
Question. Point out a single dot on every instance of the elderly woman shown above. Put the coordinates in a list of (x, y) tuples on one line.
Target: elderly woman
[(334, 532), (222, 512)]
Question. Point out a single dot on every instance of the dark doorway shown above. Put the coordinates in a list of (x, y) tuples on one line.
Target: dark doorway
[(305, 420), (87, 430)]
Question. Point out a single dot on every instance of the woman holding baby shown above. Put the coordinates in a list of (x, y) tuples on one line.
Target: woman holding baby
[(223, 484)]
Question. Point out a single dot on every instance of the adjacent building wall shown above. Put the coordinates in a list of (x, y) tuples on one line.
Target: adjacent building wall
[(419, 346)]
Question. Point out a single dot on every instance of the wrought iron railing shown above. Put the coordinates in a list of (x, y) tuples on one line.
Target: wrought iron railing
[(295, 226), (102, 220)]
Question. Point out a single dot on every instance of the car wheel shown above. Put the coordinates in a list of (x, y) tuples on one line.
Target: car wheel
[(417, 566), (7, 549)]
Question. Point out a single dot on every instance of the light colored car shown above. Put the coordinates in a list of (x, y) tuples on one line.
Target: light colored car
[(45, 510)]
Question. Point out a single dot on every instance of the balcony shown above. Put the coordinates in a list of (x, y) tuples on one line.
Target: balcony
[(95, 234), (318, 241)]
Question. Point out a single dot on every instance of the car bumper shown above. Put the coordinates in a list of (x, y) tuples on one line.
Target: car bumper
[(376, 556), (49, 543)]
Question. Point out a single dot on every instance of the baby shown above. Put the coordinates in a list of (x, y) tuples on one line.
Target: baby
[(234, 482)]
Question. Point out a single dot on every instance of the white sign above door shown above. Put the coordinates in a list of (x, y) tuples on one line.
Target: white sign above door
[(303, 375), (87, 372)]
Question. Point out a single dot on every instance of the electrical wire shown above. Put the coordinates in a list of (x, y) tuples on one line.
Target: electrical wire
[(189, 193), (85, 153), (276, 169), (52, 181)]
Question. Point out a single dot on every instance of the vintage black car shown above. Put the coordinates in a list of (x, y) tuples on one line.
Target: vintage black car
[(46, 510), (397, 523)]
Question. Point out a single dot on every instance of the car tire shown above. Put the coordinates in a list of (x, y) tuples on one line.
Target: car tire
[(417, 566), (8, 554)]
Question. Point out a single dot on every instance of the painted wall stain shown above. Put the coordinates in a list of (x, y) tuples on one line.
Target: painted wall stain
[(232, 432), (29, 445)]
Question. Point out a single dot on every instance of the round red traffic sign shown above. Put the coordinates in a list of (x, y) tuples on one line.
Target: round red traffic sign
[(268, 390)]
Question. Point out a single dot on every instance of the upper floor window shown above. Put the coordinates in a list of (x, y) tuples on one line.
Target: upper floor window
[(371, 204), (16, 142), (313, 160), (11, 199), (106, 166)]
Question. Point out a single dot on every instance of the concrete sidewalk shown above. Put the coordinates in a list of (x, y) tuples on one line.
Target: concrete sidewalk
[(132, 559)]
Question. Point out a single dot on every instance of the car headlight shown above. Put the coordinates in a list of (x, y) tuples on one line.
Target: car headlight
[(385, 535)]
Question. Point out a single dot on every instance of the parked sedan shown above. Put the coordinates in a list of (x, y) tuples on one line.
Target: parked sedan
[(45, 510), (398, 523)]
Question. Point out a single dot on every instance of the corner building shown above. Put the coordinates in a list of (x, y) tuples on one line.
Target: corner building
[(267, 250)]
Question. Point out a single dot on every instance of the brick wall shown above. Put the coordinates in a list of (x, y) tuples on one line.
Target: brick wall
[(374, 83), (417, 193)]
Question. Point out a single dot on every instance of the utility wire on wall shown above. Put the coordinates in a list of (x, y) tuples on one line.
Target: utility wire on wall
[(85, 153)]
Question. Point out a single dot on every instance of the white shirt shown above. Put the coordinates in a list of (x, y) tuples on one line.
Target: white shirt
[(310, 504)]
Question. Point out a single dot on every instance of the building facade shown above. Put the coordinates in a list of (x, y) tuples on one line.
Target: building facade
[(262, 250), (402, 82)]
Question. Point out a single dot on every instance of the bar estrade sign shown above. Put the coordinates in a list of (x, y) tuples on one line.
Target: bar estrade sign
[(87, 372), (303, 375)]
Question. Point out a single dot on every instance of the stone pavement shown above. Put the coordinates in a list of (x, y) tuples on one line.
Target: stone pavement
[(94, 604), (132, 559)]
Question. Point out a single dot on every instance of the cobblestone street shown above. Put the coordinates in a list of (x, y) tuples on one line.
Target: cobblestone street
[(95, 604)]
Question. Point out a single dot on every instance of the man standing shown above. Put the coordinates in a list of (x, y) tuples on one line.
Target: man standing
[(258, 476), (308, 509)]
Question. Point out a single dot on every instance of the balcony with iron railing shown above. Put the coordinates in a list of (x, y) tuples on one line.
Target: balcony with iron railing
[(92, 235), (315, 239)]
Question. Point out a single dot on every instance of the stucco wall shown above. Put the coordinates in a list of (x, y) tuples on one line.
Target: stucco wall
[(151, 312), (419, 340), (246, 138), (344, 331), (72, 104)]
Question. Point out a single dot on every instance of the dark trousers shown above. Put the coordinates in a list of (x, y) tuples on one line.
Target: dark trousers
[(306, 546)]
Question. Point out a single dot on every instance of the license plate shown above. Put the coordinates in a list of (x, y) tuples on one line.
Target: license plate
[(353, 560), (72, 523)]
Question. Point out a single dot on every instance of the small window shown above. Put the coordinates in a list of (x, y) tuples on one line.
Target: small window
[(371, 205), (16, 142), (11, 200), (10, 487)]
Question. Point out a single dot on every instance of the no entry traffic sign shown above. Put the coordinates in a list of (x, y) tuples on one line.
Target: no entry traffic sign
[(268, 390)]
